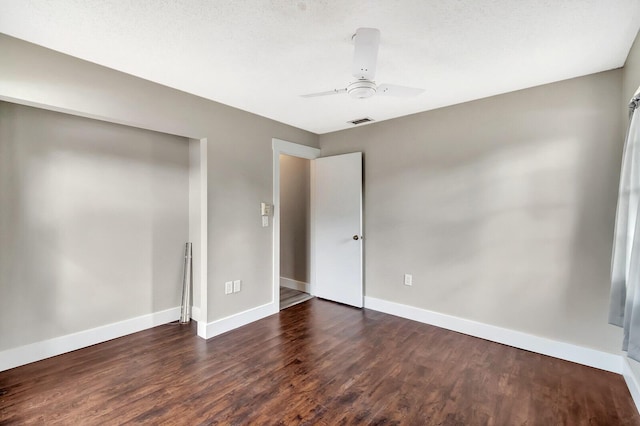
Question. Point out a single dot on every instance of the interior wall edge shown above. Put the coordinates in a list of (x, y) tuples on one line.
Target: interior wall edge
[(84, 114), (196, 314)]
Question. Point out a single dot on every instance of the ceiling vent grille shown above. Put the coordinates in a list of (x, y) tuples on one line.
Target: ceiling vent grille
[(360, 121)]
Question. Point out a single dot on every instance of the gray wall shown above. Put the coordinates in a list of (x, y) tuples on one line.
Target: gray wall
[(294, 218), (502, 208), (93, 219), (239, 169)]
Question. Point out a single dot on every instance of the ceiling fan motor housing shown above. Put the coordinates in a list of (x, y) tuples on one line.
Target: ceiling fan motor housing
[(362, 89)]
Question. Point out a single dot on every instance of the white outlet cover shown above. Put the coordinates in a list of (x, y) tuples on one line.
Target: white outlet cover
[(237, 285), (228, 287), (408, 279)]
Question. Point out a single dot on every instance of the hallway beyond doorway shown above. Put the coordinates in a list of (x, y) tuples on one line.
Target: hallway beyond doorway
[(290, 297)]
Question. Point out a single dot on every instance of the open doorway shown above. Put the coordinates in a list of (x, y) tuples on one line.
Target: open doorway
[(295, 230), (334, 237)]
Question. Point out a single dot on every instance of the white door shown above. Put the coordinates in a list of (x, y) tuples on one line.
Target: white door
[(338, 228)]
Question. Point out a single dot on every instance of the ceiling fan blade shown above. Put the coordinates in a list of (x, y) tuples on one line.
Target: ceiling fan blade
[(330, 92), (365, 53), (400, 91)]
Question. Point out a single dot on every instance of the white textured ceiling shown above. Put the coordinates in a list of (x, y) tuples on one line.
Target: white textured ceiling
[(260, 55)]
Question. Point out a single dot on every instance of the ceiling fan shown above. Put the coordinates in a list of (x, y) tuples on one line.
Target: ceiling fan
[(365, 56)]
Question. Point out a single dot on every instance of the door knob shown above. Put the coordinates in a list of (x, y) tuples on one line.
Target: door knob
[(355, 237)]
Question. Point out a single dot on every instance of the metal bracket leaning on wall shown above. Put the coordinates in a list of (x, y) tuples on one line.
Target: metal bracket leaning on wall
[(185, 312)]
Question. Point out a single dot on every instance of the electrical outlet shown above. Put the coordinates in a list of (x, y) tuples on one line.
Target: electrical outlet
[(408, 279), (237, 285), (265, 221), (228, 287)]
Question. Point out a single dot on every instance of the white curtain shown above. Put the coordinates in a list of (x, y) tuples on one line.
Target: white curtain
[(625, 263)]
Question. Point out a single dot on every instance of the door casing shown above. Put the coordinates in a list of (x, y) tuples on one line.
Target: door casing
[(300, 151)]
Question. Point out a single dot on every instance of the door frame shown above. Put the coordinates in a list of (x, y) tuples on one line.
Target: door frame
[(300, 151)]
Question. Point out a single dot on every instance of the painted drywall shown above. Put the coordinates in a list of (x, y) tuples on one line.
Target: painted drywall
[(294, 218), (239, 160), (93, 221), (502, 208), (194, 225)]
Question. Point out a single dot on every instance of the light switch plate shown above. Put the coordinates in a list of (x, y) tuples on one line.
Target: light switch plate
[(265, 221), (266, 209), (228, 287), (408, 279), (237, 286)]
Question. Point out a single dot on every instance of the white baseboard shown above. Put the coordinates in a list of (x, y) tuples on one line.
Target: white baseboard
[(202, 329), (295, 285), (517, 339), (632, 381), (37, 351), (195, 313), (241, 318)]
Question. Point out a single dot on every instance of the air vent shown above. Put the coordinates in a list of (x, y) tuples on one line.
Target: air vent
[(360, 121)]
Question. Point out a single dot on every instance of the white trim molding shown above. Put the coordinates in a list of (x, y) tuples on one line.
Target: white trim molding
[(204, 236), (195, 313), (37, 351), (198, 233), (632, 381), (301, 151), (517, 339), (295, 285), (241, 318)]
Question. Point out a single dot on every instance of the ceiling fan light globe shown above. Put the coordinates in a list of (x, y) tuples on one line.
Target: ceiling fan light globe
[(362, 89)]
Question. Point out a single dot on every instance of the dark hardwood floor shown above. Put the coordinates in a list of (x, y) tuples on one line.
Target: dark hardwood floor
[(315, 363)]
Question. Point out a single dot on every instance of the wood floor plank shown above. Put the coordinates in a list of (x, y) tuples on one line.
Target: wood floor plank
[(316, 363)]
